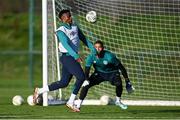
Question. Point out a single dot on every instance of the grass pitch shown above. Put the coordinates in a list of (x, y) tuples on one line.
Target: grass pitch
[(88, 112), (9, 111)]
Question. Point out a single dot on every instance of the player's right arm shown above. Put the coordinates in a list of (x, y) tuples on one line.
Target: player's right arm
[(64, 41), (89, 63)]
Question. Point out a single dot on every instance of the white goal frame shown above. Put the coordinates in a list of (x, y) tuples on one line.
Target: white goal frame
[(44, 50), (86, 102)]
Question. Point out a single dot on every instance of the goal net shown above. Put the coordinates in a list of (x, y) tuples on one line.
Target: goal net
[(144, 34)]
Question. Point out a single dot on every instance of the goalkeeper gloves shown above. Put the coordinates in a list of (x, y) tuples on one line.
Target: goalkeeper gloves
[(130, 89), (85, 83)]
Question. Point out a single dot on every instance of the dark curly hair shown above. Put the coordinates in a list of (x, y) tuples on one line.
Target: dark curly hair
[(99, 42), (62, 12)]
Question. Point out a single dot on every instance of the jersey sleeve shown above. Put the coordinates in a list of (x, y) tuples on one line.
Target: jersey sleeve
[(115, 60), (118, 63), (86, 41), (89, 60)]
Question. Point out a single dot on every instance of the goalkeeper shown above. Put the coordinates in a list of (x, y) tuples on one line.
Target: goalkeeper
[(106, 68)]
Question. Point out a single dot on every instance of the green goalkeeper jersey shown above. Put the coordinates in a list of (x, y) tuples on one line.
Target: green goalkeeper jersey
[(105, 63)]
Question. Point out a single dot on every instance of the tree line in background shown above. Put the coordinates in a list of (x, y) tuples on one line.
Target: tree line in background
[(18, 6)]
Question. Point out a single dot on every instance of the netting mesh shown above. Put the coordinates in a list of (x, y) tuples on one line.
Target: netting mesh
[(144, 34)]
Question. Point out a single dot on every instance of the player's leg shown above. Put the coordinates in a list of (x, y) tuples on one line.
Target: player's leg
[(75, 69), (94, 79), (83, 94), (65, 79), (85, 89), (118, 101), (116, 81), (53, 86)]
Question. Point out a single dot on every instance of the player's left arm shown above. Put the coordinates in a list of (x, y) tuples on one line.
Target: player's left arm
[(86, 41), (129, 86)]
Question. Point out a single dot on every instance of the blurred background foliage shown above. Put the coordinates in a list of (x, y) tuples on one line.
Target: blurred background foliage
[(14, 42)]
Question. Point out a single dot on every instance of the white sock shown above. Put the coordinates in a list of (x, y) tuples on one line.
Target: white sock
[(43, 90), (79, 102), (118, 99), (72, 98)]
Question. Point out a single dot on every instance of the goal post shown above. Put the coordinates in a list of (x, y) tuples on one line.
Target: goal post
[(51, 67), (143, 34), (44, 50)]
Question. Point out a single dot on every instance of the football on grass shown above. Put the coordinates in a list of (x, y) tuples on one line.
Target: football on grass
[(17, 100), (30, 100), (104, 100), (39, 100)]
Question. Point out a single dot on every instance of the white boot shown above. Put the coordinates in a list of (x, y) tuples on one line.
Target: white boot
[(121, 105)]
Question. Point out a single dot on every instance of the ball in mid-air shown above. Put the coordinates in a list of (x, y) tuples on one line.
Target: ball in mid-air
[(91, 16)]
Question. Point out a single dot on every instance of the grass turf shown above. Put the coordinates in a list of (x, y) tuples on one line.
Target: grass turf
[(88, 112), (9, 111)]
